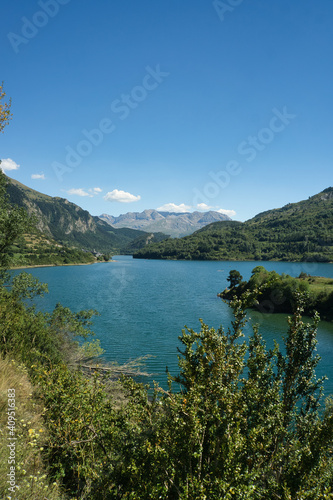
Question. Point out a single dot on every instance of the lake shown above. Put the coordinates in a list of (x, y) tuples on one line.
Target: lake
[(145, 304)]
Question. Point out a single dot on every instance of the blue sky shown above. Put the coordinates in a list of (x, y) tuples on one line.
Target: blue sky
[(192, 104)]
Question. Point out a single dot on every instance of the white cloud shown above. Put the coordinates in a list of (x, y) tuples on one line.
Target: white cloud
[(38, 176), (203, 206), (121, 196), (78, 192), (172, 207), (8, 164), (231, 213), (85, 192)]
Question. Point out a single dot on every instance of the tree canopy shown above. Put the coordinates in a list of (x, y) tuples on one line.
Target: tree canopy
[(234, 278), (5, 114)]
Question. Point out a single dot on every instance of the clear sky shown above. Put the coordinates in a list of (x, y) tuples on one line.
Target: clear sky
[(127, 105)]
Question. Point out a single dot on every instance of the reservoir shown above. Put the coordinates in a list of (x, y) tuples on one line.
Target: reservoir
[(145, 304)]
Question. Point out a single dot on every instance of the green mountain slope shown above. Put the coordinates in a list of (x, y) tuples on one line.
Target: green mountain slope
[(70, 225), (297, 231)]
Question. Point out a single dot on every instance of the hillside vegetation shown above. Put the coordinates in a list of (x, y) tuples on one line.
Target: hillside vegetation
[(34, 249), (64, 233), (269, 292), (300, 231)]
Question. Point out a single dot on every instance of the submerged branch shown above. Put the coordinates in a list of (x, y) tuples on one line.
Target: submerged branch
[(130, 369)]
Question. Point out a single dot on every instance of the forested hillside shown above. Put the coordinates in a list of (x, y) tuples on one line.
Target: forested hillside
[(298, 231), (61, 227)]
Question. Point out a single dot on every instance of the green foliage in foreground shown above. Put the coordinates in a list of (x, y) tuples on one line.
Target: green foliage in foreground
[(270, 292), (247, 422), (297, 232), (29, 341), (34, 337)]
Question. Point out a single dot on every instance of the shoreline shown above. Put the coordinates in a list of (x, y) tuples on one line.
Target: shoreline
[(61, 265), (234, 260)]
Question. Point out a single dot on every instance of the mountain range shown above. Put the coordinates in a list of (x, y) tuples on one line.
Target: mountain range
[(301, 231), (70, 225), (174, 224)]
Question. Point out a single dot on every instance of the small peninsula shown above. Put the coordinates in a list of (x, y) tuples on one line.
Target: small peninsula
[(270, 292)]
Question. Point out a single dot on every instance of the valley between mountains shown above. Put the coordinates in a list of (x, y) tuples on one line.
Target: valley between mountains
[(64, 233)]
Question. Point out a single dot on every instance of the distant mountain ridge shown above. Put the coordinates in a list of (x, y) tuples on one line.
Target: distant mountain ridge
[(172, 223)]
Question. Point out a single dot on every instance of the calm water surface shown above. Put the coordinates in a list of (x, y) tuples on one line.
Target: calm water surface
[(145, 304)]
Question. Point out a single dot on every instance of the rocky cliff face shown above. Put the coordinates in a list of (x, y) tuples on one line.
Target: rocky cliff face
[(53, 215), (327, 194), (68, 223)]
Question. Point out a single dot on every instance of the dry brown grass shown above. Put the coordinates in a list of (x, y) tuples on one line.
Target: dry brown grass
[(30, 473)]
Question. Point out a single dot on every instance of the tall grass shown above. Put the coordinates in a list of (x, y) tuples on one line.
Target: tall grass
[(30, 472)]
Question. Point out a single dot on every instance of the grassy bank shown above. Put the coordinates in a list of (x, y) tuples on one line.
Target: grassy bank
[(30, 432)]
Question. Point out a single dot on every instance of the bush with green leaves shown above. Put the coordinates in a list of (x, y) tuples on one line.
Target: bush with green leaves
[(34, 337), (240, 421)]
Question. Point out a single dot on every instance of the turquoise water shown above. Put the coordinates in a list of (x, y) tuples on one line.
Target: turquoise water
[(144, 305)]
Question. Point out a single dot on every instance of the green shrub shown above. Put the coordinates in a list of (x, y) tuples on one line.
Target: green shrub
[(246, 423)]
